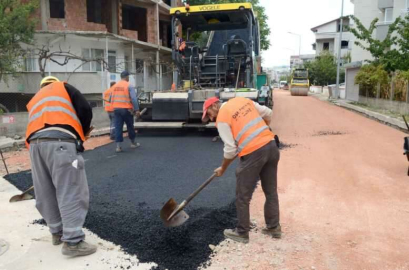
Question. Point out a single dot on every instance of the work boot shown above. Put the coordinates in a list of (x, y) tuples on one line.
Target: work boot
[(135, 145), (56, 238), (118, 150), (274, 232), (81, 248), (236, 236)]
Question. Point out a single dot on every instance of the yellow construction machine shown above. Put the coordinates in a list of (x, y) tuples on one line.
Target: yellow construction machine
[(300, 83)]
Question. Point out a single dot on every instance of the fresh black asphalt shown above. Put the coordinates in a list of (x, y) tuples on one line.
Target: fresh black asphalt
[(128, 190)]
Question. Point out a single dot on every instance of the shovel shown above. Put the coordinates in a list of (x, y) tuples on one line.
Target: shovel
[(173, 215), (22, 197)]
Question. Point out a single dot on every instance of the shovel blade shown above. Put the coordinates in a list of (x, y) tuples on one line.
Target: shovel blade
[(168, 209), (22, 197)]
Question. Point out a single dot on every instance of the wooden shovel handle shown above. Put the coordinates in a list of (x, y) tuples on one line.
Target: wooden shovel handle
[(200, 188), (28, 190)]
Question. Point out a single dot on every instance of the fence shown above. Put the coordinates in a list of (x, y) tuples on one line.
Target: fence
[(392, 96)]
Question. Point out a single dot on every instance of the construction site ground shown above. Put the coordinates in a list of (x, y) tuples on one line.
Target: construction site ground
[(343, 190)]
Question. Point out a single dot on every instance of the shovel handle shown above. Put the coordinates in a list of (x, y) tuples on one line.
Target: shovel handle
[(199, 189), (28, 190), (404, 118)]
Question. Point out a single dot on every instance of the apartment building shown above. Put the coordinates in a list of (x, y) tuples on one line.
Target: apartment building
[(327, 37), (366, 11), (298, 61), (123, 34)]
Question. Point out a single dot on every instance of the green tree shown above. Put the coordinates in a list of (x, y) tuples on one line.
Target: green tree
[(369, 76), (259, 10), (393, 51), (16, 28), (323, 70)]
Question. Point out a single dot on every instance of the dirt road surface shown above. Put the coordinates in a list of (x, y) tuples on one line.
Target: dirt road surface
[(343, 192)]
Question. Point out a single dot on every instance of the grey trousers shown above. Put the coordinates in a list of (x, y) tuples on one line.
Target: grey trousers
[(61, 187), (111, 116), (259, 165)]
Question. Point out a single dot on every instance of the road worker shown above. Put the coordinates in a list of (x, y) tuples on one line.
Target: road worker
[(59, 122), (243, 126), (125, 104), (110, 110)]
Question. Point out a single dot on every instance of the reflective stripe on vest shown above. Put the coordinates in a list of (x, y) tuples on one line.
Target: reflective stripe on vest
[(52, 98), (249, 130), (53, 109), (52, 106), (120, 96), (108, 105), (250, 138), (247, 127)]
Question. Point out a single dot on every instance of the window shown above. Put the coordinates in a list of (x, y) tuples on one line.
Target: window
[(30, 62), (112, 61), (326, 46), (344, 44), (139, 65), (388, 15), (57, 9), (92, 55), (135, 18), (94, 11), (127, 64)]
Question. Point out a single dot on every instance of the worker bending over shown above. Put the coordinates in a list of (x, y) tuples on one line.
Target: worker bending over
[(59, 122), (243, 126), (125, 104)]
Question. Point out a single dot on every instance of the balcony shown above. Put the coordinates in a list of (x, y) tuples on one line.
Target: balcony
[(382, 30), (382, 4)]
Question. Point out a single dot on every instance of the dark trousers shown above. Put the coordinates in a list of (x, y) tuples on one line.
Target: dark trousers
[(259, 165), (124, 116), (111, 116)]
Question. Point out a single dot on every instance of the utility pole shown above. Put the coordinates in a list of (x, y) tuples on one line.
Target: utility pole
[(299, 44), (339, 49)]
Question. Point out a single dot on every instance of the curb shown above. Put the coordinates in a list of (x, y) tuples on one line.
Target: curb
[(384, 119)]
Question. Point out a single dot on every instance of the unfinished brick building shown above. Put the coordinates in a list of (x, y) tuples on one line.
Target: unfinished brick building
[(127, 34)]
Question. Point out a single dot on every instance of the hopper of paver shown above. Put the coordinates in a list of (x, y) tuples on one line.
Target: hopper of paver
[(300, 83)]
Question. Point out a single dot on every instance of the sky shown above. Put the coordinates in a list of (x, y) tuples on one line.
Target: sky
[(297, 16)]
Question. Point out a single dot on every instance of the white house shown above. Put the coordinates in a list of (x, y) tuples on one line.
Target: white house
[(327, 37)]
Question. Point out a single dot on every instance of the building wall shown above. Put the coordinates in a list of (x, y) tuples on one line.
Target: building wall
[(352, 89), (328, 28), (366, 11)]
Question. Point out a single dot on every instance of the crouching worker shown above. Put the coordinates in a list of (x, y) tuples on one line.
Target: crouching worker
[(59, 122), (243, 126)]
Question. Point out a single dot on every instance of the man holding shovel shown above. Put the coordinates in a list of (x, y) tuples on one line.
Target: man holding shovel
[(59, 122), (243, 126)]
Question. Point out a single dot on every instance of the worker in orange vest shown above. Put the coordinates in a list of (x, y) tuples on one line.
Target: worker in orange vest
[(59, 122), (110, 110), (243, 126), (125, 104)]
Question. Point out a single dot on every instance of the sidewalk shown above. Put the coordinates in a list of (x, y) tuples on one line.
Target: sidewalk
[(24, 245), (368, 111)]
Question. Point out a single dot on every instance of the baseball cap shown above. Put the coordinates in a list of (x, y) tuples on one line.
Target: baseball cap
[(124, 74), (209, 102)]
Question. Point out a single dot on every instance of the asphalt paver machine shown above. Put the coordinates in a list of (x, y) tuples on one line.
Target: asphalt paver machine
[(215, 50)]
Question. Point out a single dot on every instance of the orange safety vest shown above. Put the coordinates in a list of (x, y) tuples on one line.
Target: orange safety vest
[(108, 105), (250, 132), (120, 98), (52, 106)]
